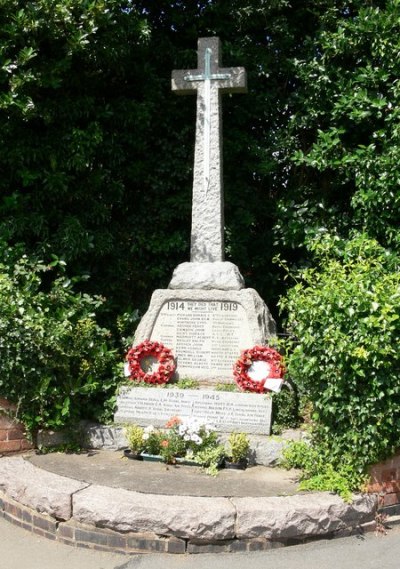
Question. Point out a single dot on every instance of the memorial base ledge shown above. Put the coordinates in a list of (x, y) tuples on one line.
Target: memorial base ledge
[(219, 275)]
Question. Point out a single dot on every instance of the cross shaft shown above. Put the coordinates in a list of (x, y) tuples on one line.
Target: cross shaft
[(209, 81)]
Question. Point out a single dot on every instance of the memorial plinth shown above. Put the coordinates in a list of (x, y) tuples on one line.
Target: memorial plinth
[(206, 329)]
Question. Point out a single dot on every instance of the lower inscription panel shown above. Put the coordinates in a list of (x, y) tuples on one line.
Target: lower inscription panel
[(227, 412)]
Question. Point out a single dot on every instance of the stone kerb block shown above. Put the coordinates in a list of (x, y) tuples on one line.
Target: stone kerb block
[(206, 329), (302, 516), (38, 489), (180, 516)]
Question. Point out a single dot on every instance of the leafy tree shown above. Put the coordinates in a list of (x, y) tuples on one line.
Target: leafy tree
[(97, 152), (345, 129), (75, 117)]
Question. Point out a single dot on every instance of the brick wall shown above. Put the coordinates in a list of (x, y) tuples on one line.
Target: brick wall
[(12, 433), (385, 481)]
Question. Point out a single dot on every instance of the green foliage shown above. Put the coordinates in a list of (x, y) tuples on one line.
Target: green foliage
[(344, 314), (126, 325), (134, 436), (66, 448), (56, 363), (318, 472), (74, 133), (210, 458), (94, 144), (96, 152), (239, 446), (230, 387), (285, 411), (152, 441), (345, 126), (186, 383)]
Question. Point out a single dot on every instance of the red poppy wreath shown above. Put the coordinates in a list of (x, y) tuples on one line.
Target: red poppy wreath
[(273, 369), (147, 349)]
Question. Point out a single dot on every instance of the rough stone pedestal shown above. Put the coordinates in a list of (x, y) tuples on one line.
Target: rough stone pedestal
[(221, 275)]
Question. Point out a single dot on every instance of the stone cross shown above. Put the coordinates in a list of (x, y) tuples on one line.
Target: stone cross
[(209, 81)]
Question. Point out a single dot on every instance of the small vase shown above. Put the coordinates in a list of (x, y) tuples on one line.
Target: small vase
[(240, 465), (128, 453)]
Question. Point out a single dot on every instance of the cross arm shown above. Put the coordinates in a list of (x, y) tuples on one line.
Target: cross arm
[(235, 83), (180, 85), (230, 80)]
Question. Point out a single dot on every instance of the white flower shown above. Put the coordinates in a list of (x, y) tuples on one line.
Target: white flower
[(196, 439)]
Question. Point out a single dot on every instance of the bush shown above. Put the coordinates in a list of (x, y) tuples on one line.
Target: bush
[(318, 472), (345, 316), (56, 363), (285, 410)]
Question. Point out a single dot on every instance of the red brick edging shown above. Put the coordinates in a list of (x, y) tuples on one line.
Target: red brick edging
[(12, 432), (72, 533), (385, 481)]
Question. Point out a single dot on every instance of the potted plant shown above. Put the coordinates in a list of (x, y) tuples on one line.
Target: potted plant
[(134, 436), (239, 445), (152, 444), (182, 441)]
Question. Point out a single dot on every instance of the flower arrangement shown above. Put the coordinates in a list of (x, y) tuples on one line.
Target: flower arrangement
[(148, 350), (275, 368), (189, 439)]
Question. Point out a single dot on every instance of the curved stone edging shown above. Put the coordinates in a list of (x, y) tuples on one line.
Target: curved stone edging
[(115, 519)]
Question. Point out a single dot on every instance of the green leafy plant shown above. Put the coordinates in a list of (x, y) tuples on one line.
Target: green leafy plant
[(230, 387), (239, 446), (344, 315), (184, 383), (285, 410), (152, 440), (56, 363), (318, 473), (134, 436), (210, 458), (66, 448)]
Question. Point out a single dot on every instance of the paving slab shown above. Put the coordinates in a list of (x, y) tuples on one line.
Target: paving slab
[(111, 468)]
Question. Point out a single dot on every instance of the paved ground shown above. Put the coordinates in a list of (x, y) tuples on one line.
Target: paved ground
[(22, 550), (110, 468)]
